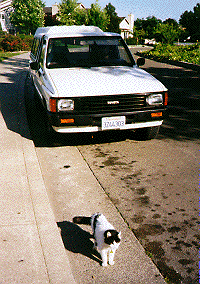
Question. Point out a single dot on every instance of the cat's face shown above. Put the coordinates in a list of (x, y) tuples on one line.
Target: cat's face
[(112, 237)]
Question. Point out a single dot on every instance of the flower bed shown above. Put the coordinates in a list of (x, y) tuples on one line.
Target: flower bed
[(15, 43)]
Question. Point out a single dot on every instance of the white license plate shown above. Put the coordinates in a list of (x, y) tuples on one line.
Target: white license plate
[(115, 122)]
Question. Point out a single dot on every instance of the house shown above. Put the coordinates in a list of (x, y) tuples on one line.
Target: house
[(81, 6), (51, 11), (126, 26), (5, 10)]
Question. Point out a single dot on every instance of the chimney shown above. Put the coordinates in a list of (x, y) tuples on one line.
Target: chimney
[(131, 22)]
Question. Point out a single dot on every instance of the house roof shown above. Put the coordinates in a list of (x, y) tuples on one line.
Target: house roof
[(4, 5), (47, 10), (124, 25)]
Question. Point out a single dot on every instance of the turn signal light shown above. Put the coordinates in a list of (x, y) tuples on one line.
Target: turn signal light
[(65, 120), (156, 114), (53, 105), (166, 99)]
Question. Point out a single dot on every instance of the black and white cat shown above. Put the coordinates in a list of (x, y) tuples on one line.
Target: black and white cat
[(107, 239)]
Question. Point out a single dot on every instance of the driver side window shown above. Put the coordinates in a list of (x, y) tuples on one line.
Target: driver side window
[(41, 60)]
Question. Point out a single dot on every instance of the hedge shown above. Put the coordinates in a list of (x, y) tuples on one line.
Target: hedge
[(15, 43)]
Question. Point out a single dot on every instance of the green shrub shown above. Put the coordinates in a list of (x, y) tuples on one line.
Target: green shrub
[(1, 48), (134, 41), (188, 53), (27, 39), (15, 43), (131, 41)]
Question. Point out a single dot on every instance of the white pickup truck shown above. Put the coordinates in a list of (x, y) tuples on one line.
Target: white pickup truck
[(88, 81)]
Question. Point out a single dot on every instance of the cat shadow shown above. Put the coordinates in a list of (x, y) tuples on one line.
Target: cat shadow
[(77, 240)]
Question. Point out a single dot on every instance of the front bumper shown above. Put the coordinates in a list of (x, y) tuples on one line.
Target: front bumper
[(79, 129), (92, 123)]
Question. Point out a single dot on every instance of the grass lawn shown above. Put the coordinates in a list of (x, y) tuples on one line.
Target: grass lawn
[(5, 55)]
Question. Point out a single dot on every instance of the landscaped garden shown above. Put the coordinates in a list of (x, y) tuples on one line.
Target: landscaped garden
[(11, 45), (185, 53)]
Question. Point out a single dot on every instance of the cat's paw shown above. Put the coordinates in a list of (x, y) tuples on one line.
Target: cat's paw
[(111, 262), (104, 264)]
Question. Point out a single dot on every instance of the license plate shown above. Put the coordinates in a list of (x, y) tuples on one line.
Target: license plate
[(115, 122)]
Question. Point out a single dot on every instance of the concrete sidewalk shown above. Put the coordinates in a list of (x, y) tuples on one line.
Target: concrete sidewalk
[(31, 248)]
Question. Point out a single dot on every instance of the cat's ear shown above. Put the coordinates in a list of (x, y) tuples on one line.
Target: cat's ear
[(119, 235), (108, 234)]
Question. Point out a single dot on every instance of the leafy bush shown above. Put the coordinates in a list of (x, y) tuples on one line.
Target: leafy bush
[(131, 41), (27, 39), (15, 43), (188, 53), (1, 48)]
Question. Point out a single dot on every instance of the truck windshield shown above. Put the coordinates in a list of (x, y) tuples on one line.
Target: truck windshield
[(87, 52)]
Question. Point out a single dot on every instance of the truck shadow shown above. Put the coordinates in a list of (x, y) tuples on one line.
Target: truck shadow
[(77, 240)]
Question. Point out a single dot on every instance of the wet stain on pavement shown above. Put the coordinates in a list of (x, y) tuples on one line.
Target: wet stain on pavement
[(141, 191), (156, 216), (169, 273), (143, 200), (173, 229), (148, 230), (138, 219), (112, 161), (155, 248), (158, 253), (185, 261)]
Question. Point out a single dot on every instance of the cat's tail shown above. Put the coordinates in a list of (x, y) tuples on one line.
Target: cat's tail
[(82, 220)]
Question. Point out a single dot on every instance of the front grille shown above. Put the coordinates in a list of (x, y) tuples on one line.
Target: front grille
[(109, 104)]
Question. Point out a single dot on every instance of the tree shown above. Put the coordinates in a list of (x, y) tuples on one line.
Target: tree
[(81, 17), (27, 15), (70, 14), (149, 26), (98, 17), (171, 22), (139, 35), (113, 26), (191, 22), (166, 33), (66, 12)]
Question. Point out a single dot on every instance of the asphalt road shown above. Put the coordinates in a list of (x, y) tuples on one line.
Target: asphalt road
[(153, 184)]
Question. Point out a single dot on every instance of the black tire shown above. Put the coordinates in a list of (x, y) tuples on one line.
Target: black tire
[(147, 133)]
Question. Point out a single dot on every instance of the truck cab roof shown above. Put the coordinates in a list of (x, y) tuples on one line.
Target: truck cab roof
[(71, 31)]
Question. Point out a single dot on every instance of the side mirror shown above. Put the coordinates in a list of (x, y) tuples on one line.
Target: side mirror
[(140, 61), (34, 65)]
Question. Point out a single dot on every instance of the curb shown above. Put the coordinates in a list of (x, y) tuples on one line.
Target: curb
[(56, 261)]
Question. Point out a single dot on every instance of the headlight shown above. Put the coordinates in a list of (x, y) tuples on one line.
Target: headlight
[(65, 105), (154, 99)]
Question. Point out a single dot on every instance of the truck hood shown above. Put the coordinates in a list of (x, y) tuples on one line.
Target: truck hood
[(99, 81)]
